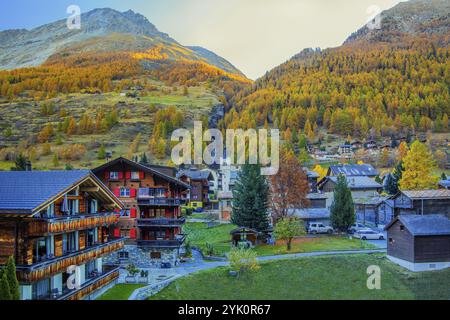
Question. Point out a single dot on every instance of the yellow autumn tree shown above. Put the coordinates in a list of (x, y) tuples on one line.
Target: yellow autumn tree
[(419, 166), (321, 171)]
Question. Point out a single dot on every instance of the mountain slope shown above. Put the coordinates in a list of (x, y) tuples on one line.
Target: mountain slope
[(102, 30), (379, 83)]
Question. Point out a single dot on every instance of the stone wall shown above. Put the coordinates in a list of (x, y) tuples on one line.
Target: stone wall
[(141, 256)]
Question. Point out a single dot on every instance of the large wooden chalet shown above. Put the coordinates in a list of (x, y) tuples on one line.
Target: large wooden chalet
[(50, 221), (151, 219)]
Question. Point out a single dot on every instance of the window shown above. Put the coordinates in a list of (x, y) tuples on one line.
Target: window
[(50, 212), (114, 175), (93, 206), (125, 213), (73, 207), (135, 175), (402, 227), (391, 241), (123, 255), (124, 192), (155, 255)]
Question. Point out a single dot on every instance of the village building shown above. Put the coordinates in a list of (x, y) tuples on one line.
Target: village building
[(317, 210), (419, 242), (444, 184), (53, 220), (151, 219), (312, 179), (422, 202), (200, 182), (360, 187), (351, 170), (374, 211)]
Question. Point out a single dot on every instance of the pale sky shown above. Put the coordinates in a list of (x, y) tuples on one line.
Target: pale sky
[(254, 35)]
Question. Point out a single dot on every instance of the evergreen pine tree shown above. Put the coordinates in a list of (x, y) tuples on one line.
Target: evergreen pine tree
[(342, 208), (443, 176), (5, 291), (250, 196), (101, 153), (144, 159), (20, 164), (10, 271)]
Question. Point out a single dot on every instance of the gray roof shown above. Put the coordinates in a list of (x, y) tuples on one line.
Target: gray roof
[(310, 173), (311, 213), (316, 195), (427, 194), (354, 170), (195, 174), (375, 201), (359, 182), (23, 191), (444, 183), (425, 225)]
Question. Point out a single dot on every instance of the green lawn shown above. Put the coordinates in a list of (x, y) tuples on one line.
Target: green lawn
[(219, 236), (316, 278), (120, 292), (325, 243)]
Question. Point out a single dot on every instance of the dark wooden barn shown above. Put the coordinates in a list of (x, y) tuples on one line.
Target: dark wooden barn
[(419, 242)]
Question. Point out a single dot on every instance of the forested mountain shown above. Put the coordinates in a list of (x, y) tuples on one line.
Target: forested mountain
[(380, 82), (110, 46)]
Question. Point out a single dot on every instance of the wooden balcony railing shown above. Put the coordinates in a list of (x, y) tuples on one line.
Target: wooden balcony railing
[(145, 201), (163, 222), (44, 226), (47, 268), (165, 243)]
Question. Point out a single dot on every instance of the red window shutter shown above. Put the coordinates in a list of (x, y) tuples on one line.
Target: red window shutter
[(117, 192), (120, 175), (166, 194), (117, 233), (132, 193), (133, 233), (106, 175), (167, 233), (141, 175), (133, 213), (128, 175)]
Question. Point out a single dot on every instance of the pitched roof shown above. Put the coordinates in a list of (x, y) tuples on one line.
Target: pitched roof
[(424, 225), (427, 194), (375, 201), (23, 191), (195, 174), (444, 183), (354, 170), (310, 173), (311, 213), (359, 182), (143, 168)]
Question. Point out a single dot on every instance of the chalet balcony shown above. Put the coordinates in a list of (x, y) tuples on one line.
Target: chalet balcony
[(55, 265), (142, 201), (163, 243), (161, 222), (58, 224)]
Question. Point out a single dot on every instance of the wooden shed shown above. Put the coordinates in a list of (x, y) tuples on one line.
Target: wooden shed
[(244, 234), (419, 242)]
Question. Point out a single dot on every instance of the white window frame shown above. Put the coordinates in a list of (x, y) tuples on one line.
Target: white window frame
[(135, 175), (114, 175), (124, 192)]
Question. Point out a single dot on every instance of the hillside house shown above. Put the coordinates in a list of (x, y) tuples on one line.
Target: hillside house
[(351, 170)]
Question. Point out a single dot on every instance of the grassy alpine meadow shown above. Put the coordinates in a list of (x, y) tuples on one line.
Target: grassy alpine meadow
[(120, 292), (312, 278)]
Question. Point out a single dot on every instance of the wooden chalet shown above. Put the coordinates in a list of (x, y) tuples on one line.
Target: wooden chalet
[(151, 219), (244, 234), (200, 182), (422, 202), (419, 242), (53, 220)]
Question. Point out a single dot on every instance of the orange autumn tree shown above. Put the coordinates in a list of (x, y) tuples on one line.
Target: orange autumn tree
[(289, 187)]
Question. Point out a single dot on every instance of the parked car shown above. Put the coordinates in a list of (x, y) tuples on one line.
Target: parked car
[(357, 227), (316, 228), (368, 235)]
